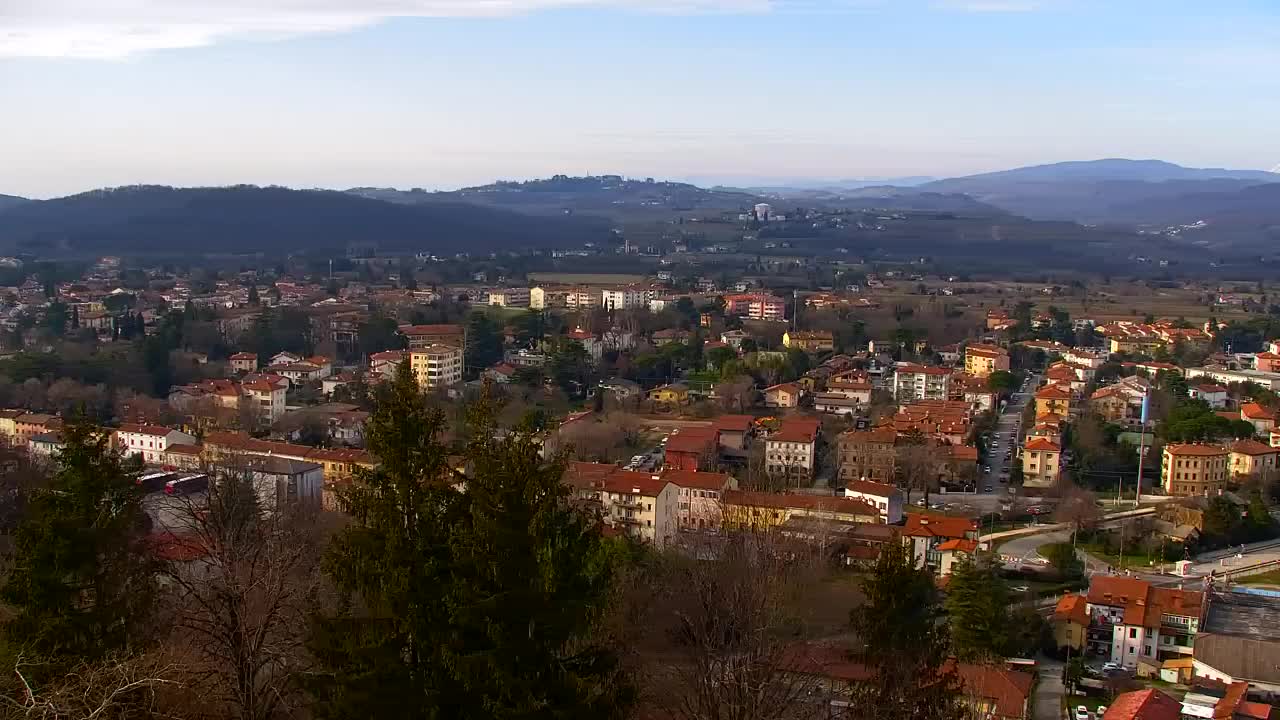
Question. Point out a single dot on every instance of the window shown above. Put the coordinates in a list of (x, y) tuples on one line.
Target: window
[(1131, 650), (1133, 633)]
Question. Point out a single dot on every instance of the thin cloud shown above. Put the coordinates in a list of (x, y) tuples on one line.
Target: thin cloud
[(114, 29), (992, 6)]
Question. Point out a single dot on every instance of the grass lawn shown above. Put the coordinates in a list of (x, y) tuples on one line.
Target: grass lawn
[(1140, 560), (1271, 577)]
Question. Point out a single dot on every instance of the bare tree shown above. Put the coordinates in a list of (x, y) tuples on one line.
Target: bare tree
[(243, 574), (1079, 507), (736, 394), (919, 466), (116, 689), (729, 620)]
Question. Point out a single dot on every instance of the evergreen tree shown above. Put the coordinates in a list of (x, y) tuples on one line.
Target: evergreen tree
[(484, 343), (477, 602), (75, 317), (979, 609), (82, 583), (1260, 524), (253, 295), (904, 644)]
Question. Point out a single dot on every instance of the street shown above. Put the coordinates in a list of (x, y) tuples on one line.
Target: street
[(1006, 440)]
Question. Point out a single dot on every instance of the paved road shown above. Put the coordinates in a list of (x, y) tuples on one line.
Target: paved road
[(1047, 698), (1007, 426)]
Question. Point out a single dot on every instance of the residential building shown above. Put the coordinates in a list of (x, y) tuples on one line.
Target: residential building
[(1041, 463), (626, 298), (1053, 400), (1149, 704), (150, 442), (589, 341), (1121, 402), (924, 535), (510, 297), (836, 404), (701, 497), (756, 306), (867, 455), (783, 395), (436, 366), (244, 362), (1225, 376), (1070, 621), (266, 396), (1263, 420), (582, 299), (383, 364), (420, 336), (921, 382), (792, 451), (735, 432), (283, 482), (28, 425), (853, 387), (673, 395), (1211, 393), (692, 449), (1251, 458), (809, 341), (886, 498), (1188, 469), (760, 510), (643, 506), (982, 360), (1212, 698), (1130, 620)]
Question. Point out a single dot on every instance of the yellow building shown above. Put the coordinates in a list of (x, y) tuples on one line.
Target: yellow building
[(8, 426), (1250, 457), (1192, 469), (675, 394), (982, 360), (810, 341), (1041, 462), (1053, 400), (1071, 622), (1136, 345), (764, 510), (436, 366)]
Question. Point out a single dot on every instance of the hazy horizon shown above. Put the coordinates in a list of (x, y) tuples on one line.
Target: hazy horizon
[(442, 94)]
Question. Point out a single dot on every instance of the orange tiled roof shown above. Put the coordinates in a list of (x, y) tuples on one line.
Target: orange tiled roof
[(922, 525), (1074, 608), (1194, 450), (822, 503), (1042, 445)]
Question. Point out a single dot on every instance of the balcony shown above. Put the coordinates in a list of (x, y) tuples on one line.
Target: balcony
[(634, 503), (624, 520)]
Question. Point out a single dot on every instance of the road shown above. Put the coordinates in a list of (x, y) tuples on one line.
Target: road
[(1006, 437), (1047, 698)]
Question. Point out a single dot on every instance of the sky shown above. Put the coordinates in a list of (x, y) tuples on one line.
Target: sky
[(447, 93)]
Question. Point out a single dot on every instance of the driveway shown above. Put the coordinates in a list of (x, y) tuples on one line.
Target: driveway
[(1046, 700)]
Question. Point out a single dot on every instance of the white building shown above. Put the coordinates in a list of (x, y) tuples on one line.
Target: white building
[(1268, 380), (921, 382), (1131, 620), (643, 506), (790, 452), (284, 483), (436, 366), (510, 297), (886, 498), (627, 298), (150, 441)]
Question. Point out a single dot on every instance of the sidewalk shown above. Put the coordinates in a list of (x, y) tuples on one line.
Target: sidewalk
[(1046, 701)]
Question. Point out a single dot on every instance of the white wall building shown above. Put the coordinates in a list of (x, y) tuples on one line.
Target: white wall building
[(150, 441)]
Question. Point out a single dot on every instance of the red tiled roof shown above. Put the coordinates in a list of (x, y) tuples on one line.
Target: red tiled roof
[(1226, 707), (1254, 411), (1042, 444), (959, 544), (732, 423), (1074, 608), (697, 480), (1194, 449), (795, 432), (914, 369), (693, 440), (181, 449), (867, 487), (1209, 388), (584, 475), (964, 452), (245, 356), (942, 526), (884, 435), (627, 482), (1143, 705), (157, 430), (1053, 392), (822, 503), (1253, 447)]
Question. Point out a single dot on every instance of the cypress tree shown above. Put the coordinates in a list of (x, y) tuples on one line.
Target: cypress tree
[(83, 582), (979, 610)]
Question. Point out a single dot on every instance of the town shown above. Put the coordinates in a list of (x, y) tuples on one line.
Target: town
[(1107, 477)]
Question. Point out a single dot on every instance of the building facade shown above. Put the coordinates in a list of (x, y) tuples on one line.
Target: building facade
[(436, 366)]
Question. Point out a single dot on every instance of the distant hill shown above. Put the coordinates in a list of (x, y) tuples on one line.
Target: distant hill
[(562, 193), (1094, 191), (248, 219), (10, 201)]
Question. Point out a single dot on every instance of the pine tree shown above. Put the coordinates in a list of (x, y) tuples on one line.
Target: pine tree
[(253, 295), (75, 317), (904, 645), (82, 584), (979, 611)]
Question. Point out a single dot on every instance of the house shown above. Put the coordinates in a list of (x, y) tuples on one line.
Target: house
[(886, 498), (244, 362), (921, 382), (267, 397), (923, 534), (734, 338), (642, 506), (282, 482), (791, 452), (756, 306), (761, 510), (867, 455), (735, 432), (1267, 362), (284, 358), (28, 425), (8, 424), (333, 382), (589, 341), (1249, 458), (1239, 641), (1188, 469), (1053, 400), (809, 341), (1149, 704), (500, 373), (673, 395), (836, 404), (784, 395), (692, 449), (1131, 619), (982, 360), (1121, 402), (384, 363), (1211, 699), (1041, 463), (46, 445), (701, 497), (669, 335), (1211, 393), (855, 387), (1070, 621), (1264, 420), (621, 389), (150, 442)]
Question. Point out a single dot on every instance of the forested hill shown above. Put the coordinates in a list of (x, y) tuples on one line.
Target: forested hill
[(247, 219)]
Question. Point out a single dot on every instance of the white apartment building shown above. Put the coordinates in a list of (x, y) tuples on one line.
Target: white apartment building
[(582, 298), (510, 297), (643, 506), (886, 498), (627, 298), (791, 451), (1130, 619), (921, 382), (150, 441), (436, 366), (267, 397)]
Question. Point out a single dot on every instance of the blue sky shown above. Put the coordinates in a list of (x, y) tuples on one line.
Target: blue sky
[(443, 93)]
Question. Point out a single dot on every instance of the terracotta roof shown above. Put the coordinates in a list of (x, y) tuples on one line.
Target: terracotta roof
[(868, 487), (697, 480), (396, 355), (693, 440), (1195, 450), (1253, 447), (1073, 608), (1143, 705), (245, 356), (964, 452), (1116, 591), (795, 431), (626, 482), (1254, 411), (1053, 392), (883, 435), (157, 430), (1226, 707), (1042, 445), (941, 526), (787, 387), (583, 475), (822, 503), (959, 544), (914, 369), (733, 423), (1009, 690), (181, 449)]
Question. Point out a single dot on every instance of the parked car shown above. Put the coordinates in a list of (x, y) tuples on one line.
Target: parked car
[(1082, 713), (1102, 710), (1111, 667)]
